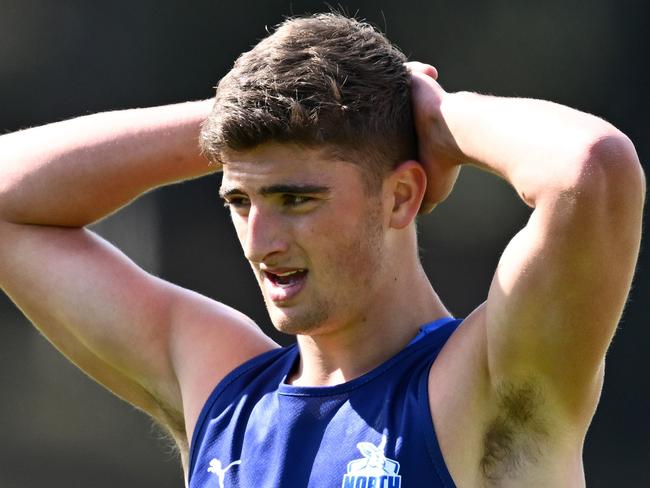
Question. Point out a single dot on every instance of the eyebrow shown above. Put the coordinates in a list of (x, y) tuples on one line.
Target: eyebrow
[(305, 189)]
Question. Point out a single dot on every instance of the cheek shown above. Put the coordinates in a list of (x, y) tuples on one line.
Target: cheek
[(351, 250)]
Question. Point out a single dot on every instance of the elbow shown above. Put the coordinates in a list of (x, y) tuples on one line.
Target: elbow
[(609, 170), (615, 153), (618, 161)]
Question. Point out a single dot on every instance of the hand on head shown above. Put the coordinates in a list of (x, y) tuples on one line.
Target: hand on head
[(438, 152)]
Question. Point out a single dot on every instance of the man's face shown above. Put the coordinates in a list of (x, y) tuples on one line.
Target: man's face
[(313, 235)]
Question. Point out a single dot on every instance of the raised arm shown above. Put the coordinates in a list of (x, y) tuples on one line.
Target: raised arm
[(143, 338), (562, 282), (74, 172)]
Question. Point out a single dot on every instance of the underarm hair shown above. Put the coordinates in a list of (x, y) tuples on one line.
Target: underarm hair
[(513, 439), (171, 427)]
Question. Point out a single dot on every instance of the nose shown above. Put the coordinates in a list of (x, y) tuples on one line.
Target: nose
[(264, 235)]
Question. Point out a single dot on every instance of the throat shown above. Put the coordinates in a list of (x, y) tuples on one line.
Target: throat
[(350, 344), (339, 357)]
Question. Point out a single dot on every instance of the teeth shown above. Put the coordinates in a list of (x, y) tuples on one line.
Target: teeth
[(288, 273)]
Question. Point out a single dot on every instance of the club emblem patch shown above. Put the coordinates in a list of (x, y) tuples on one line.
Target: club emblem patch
[(374, 470)]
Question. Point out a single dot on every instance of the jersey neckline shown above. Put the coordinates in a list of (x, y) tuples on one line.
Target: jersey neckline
[(285, 389)]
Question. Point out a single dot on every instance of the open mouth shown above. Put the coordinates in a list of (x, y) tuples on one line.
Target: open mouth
[(286, 279), (284, 283)]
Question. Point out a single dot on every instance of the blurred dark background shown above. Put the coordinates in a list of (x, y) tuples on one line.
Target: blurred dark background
[(60, 59)]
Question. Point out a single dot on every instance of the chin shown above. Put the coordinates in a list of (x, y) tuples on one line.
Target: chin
[(292, 322)]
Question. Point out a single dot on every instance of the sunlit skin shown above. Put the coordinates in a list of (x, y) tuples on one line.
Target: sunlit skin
[(297, 210), (514, 389)]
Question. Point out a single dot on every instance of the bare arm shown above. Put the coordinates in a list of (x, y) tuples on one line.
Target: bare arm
[(143, 338), (562, 282), (75, 172)]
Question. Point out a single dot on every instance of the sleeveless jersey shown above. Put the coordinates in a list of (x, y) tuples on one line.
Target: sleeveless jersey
[(257, 431)]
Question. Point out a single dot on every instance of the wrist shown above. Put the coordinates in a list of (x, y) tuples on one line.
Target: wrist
[(453, 110)]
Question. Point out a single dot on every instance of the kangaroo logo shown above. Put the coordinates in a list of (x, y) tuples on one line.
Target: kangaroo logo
[(374, 470), (215, 467)]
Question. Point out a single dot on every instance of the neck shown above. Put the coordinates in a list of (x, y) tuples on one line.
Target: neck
[(347, 351)]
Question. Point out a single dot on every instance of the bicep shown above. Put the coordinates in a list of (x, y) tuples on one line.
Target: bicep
[(116, 322), (560, 288)]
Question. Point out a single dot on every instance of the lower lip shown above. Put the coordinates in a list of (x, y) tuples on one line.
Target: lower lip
[(283, 293)]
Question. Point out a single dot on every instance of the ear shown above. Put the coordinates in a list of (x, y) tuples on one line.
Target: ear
[(405, 189)]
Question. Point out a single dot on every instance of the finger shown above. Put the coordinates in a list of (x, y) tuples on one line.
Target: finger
[(426, 208), (427, 69)]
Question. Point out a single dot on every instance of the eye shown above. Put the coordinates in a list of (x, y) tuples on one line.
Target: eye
[(237, 202), (293, 200)]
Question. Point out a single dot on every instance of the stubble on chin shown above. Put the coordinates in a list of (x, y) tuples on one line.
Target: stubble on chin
[(305, 323), (290, 321)]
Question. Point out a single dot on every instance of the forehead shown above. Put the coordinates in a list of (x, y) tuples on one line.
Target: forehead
[(286, 164)]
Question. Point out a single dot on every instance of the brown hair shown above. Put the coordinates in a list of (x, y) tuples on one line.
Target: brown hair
[(320, 81)]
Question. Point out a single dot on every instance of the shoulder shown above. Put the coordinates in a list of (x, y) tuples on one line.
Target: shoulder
[(488, 431), (208, 342)]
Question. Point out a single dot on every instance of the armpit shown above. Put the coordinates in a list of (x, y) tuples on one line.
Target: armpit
[(515, 437)]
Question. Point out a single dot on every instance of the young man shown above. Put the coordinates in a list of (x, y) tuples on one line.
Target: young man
[(325, 176)]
